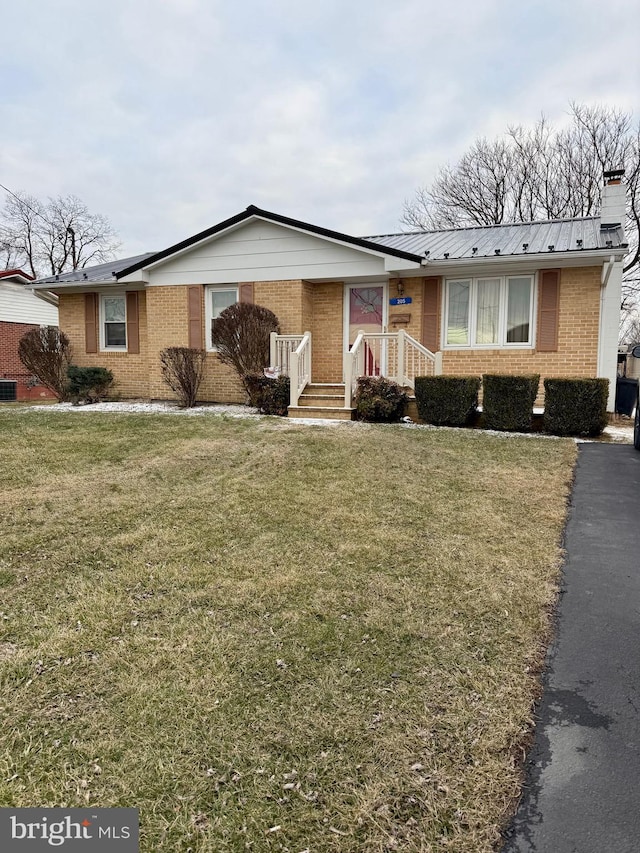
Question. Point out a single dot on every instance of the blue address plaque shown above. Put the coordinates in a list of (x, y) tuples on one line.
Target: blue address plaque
[(400, 300)]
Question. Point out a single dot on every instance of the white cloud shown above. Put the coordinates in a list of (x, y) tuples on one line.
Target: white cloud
[(169, 115)]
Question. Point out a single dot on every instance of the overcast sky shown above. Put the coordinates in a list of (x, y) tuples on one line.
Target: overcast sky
[(171, 115)]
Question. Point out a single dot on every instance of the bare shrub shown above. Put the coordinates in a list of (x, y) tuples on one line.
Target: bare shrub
[(241, 336), (46, 352), (182, 369)]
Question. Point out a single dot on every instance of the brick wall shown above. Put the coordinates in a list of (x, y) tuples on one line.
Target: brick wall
[(302, 306), (12, 368), (327, 332), (577, 354), (130, 370)]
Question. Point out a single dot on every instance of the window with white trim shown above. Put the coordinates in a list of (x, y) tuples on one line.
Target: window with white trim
[(113, 321), (218, 297), (494, 311)]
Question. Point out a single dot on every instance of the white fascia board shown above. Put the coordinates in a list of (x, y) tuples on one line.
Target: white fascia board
[(85, 286), (139, 276), (46, 296), (379, 253), (398, 266), (505, 264)]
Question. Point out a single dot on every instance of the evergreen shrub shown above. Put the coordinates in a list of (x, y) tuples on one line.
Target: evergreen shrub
[(447, 400), (507, 401), (575, 406)]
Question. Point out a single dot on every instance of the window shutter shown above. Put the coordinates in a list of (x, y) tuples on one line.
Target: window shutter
[(133, 323), (246, 291), (195, 316), (430, 310), (91, 322), (548, 302)]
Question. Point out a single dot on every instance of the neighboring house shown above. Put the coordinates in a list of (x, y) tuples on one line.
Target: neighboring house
[(539, 297), (21, 310)]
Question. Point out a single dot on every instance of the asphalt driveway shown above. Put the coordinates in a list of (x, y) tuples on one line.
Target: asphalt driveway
[(582, 791)]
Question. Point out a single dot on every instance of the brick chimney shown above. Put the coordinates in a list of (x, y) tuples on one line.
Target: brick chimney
[(613, 209)]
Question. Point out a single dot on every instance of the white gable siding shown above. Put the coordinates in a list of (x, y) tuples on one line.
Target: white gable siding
[(265, 251), (18, 305)]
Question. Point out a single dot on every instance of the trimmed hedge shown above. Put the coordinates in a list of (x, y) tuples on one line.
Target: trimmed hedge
[(507, 401), (447, 400), (379, 400), (270, 396), (575, 406), (88, 384)]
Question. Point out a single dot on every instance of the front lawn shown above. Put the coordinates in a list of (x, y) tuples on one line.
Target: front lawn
[(271, 637)]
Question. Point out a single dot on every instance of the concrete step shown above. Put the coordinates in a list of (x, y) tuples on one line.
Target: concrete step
[(336, 413), (334, 400), (325, 388)]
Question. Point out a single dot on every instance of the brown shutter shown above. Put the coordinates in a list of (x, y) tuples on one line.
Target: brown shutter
[(548, 309), (133, 323), (246, 291), (91, 322), (195, 316), (430, 312)]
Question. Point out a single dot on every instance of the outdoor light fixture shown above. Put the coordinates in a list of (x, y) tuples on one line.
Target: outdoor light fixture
[(400, 287)]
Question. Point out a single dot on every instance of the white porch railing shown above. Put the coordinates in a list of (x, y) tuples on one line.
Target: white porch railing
[(291, 354), (280, 349), (395, 355)]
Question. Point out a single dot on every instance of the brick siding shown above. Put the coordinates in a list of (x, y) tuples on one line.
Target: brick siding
[(302, 306), (12, 368)]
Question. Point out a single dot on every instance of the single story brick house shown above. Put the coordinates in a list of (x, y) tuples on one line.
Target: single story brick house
[(539, 297), (20, 311)]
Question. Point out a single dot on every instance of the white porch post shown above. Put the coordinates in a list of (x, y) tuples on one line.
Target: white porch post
[(273, 349), (347, 362), (437, 365), (293, 378), (401, 377)]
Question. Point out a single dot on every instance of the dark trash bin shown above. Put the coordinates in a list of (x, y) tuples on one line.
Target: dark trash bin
[(626, 396)]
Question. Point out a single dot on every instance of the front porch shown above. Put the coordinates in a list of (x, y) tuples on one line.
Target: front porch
[(395, 355)]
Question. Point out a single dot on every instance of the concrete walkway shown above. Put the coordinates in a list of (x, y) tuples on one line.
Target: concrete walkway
[(582, 793)]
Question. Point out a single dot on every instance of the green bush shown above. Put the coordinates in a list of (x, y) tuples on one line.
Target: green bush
[(575, 406), (379, 400), (88, 384), (270, 396), (447, 400), (507, 401)]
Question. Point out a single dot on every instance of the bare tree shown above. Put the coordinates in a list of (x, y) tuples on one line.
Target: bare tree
[(49, 238), (539, 173), (241, 336)]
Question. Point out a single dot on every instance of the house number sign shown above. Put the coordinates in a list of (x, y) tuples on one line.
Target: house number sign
[(400, 300)]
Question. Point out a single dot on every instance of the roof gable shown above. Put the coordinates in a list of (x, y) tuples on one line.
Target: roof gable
[(261, 249), (253, 212)]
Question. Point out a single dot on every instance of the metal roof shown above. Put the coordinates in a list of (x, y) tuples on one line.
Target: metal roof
[(100, 272), (514, 239), (483, 241)]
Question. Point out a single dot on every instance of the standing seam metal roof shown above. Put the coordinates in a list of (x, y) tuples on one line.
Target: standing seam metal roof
[(483, 241)]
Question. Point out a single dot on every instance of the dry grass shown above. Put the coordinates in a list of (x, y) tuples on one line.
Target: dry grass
[(273, 638)]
